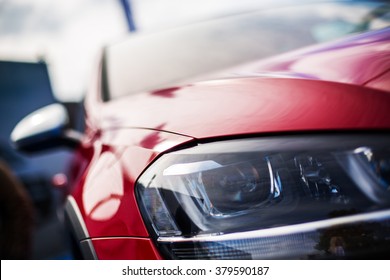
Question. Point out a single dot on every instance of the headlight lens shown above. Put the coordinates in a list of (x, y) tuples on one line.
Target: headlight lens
[(268, 198)]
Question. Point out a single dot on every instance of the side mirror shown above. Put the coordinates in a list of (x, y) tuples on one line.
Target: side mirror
[(44, 129)]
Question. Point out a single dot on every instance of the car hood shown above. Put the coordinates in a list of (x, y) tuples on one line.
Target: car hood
[(251, 105)]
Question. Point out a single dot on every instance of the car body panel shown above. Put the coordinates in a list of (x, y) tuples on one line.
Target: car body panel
[(252, 106), (105, 192)]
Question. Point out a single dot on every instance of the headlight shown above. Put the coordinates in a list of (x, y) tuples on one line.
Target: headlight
[(275, 197)]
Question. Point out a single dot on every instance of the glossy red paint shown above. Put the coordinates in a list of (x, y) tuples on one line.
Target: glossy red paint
[(125, 249), (105, 194), (253, 106)]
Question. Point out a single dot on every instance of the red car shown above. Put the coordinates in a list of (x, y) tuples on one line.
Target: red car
[(283, 158)]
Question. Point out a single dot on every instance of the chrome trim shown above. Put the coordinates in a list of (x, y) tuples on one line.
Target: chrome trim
[(87, 250), (284, 230), (76, 218), (79, 228), (271, 176)]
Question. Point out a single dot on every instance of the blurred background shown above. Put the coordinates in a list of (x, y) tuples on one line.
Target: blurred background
[(48, 50)]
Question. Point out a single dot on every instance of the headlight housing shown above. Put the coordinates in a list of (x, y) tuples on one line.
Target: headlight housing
[(273, 197)]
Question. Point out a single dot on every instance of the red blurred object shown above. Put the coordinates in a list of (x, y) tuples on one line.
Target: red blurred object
[(60, 180)]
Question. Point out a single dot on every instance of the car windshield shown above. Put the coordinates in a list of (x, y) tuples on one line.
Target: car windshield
[(153, 61)]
